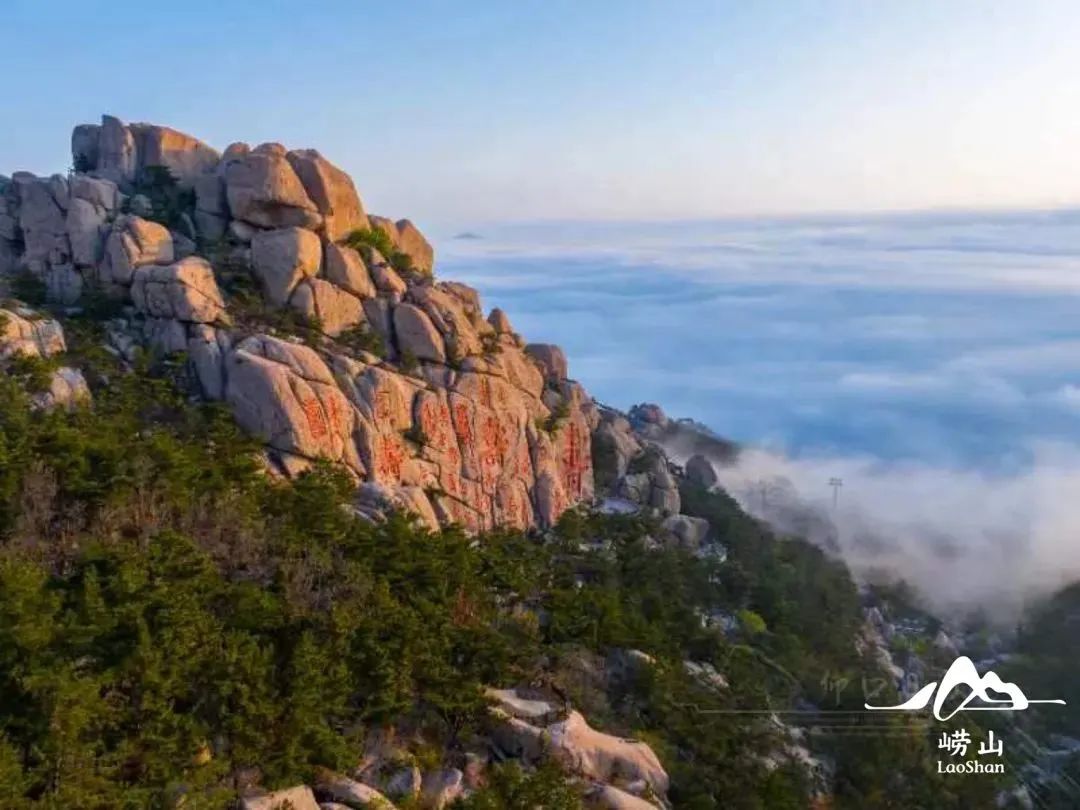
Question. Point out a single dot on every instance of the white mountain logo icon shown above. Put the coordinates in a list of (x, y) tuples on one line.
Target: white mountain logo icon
[(963, 672)]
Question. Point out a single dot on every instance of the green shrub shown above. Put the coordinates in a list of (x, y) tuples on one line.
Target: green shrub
[(751, 623), (29, 288), (168, 201), (402, 263), (554, 420), (81, 164), (382, 242), (454, 354), (490, 343), (644, 461), (35, 373), (416, 435), (510, 786), (371, 237), (98, 305), (409, 362), (557, 417), (161, 596), (253, 313), (363, 338)]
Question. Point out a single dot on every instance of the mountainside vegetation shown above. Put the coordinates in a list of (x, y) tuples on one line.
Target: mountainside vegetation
[(177, 625)]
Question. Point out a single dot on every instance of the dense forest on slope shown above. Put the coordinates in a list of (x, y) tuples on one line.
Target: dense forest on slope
[(176, 625)]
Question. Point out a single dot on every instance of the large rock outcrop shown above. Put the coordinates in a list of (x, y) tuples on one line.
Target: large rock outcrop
[(600, 756), (331, 190), (335, 309), (346, 269), (295, 798), (352, 793), (118, 152), (417, 335), (285, 394), (282, 258), (435, 408), (263, 190), (132, 243), (530, 728), (185, 157), (700, 471), (93, 204), (25, 333), (185, 291), (651, 483)]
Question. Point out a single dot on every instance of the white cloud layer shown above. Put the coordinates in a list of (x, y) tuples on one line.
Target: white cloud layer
[(932, 361), (964, 539)]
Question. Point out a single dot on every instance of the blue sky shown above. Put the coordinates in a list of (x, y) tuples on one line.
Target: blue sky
[(461, 112)]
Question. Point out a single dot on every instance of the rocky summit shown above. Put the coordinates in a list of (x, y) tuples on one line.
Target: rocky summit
[(402, 380)]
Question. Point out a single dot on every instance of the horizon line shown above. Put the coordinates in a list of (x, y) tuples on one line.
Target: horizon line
[(784, 216)]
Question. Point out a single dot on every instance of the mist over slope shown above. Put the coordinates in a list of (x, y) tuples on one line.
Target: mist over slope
[(966, 540)]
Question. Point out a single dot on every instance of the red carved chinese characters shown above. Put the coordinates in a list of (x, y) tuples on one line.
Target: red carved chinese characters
[(435, 422), (390, 456), (383, 407), (493, 447), (315, 417), (573, 460), (453, 484), (514, 511), (462, 423), (335, 414)]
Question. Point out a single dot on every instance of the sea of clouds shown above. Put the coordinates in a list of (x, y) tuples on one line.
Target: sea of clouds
[(931, 361)]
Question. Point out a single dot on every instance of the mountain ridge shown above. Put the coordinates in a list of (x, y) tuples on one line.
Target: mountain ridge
[(431, 406), (283, 518)]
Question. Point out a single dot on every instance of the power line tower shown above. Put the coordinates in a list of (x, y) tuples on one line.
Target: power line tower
[(835, 483)]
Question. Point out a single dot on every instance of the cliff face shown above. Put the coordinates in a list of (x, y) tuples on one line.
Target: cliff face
[(401, 378)]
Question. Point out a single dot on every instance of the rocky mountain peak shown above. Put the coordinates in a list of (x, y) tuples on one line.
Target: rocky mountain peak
[(320, 325)]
